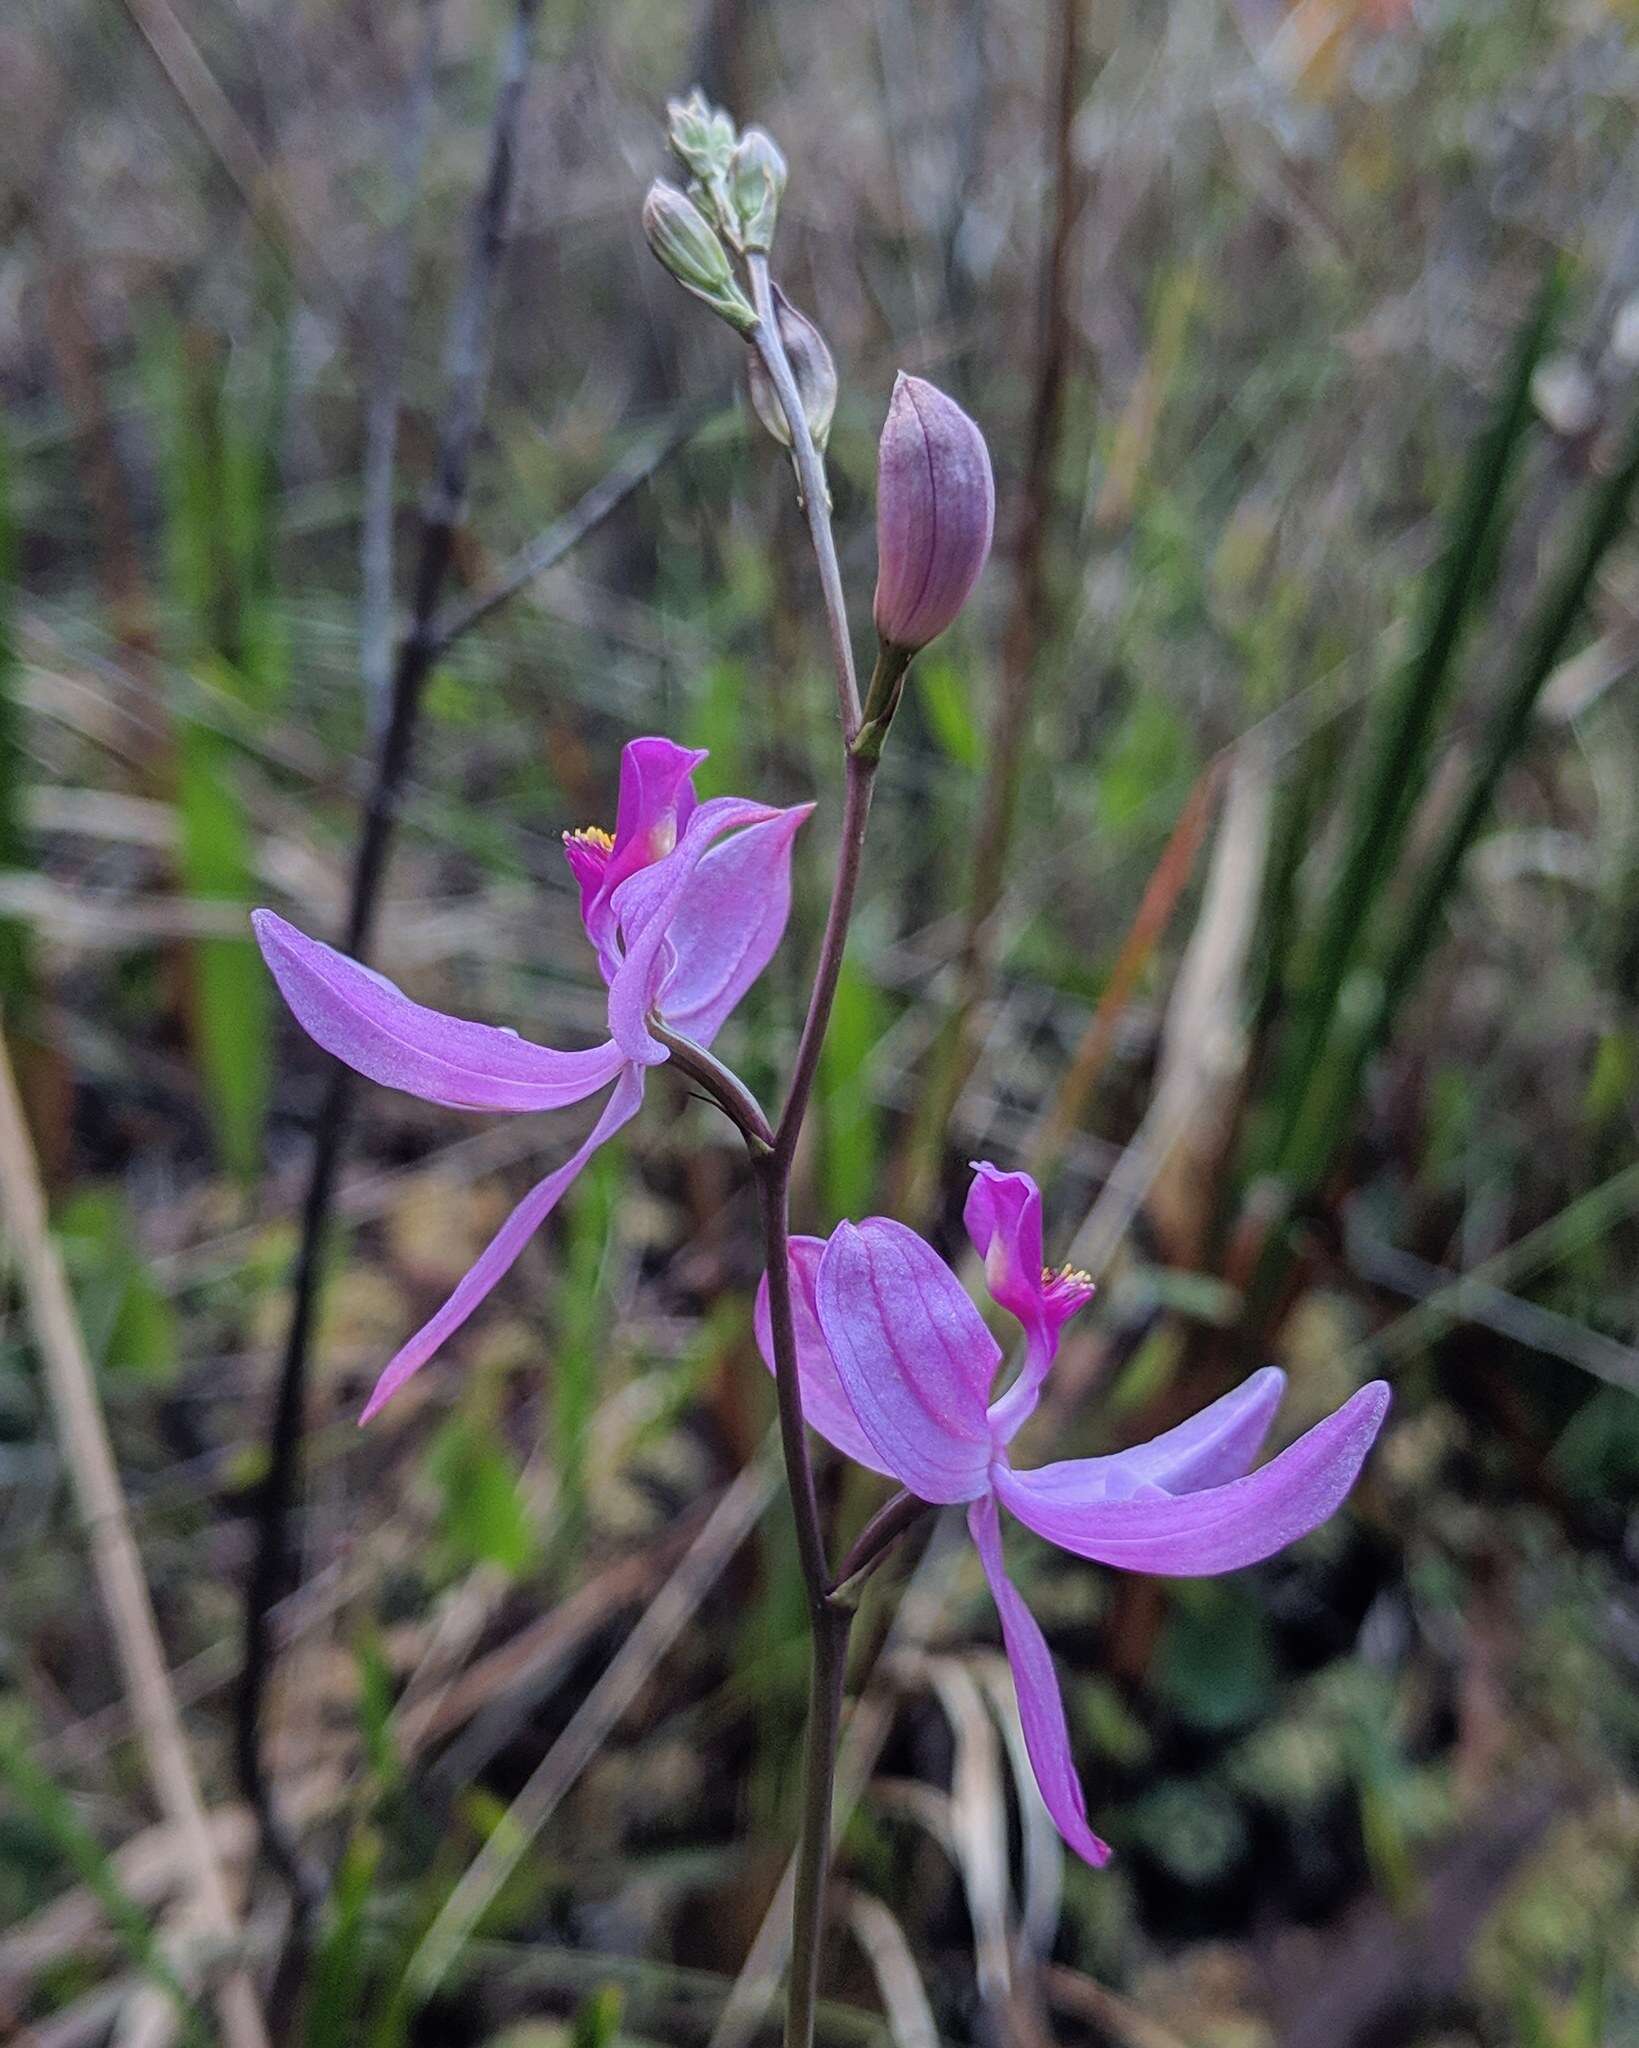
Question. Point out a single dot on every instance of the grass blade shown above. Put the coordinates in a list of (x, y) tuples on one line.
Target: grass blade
[(1397, 769)]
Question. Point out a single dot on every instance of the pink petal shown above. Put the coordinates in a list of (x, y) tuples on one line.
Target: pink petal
[(1192, 1534), (363, 1019), (825, 1406), (656, 802), (644, 906), (1003, 1218), (1041, 1706), (502, 1250), (1216, 1445), (727, 923), (912, 1355)]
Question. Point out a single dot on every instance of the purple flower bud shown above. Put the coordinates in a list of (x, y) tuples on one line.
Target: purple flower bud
[(935, 511)]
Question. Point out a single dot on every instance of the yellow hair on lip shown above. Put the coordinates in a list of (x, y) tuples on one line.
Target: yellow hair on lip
[(594, 835)]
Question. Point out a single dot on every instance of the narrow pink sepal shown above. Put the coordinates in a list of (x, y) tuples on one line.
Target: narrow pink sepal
[(363, 1019), (825, 1405), (1211, 1529), (1214, 1446), (502, 1250), (912, 1354), (1041, 1705)]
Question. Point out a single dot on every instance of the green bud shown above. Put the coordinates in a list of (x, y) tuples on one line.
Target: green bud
[(703, 138), (811, 365), (684, 240), (756, 182)]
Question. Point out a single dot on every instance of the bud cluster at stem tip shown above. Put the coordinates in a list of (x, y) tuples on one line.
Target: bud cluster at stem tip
[(935, 514)]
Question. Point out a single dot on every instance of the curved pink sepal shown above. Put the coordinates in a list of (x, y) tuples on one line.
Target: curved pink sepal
[(503, 1249), (363, 1019), (1041, 1705), (1196, 1533)]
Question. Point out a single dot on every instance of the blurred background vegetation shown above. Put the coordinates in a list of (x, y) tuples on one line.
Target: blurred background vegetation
[(1258, 860)]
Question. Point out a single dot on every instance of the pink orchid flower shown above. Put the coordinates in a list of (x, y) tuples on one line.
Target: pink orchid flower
[(683, 920), (896, 1368)]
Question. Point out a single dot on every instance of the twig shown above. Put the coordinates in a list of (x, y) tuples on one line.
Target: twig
[(589, 511), (391, 327), (115, 1560), (467, 375), (235, 149), (731, 1521)]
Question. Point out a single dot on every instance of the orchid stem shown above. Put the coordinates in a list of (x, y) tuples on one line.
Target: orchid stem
[(829, 1619), (812, 487), (725, 1087)]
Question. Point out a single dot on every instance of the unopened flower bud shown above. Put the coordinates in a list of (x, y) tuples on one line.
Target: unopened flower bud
[(935, 512), (701, 134), (756, 183), (684, 240), (811, 366)]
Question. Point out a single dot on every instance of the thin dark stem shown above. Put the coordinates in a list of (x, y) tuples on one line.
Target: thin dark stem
[(859, 782), (566, 533), (773, 1194), (273, 1563), (829, 1620), (725, 1087), (896, 1516), (826, 1679), (391, 321), (815, 493)]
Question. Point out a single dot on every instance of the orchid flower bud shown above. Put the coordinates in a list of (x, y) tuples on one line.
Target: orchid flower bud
[(756, 180), (935, 513), (703, 138), (811, 365), (686, 243)]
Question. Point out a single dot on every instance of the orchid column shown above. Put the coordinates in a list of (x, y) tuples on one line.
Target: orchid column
[(935, 513)]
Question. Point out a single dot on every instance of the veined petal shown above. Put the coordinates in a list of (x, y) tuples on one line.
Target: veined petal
[(825, 1405), (1041, 1706), (363, 1019), (502, 1250), (1216, 1445), (727, 923), (644, 906), (1194, 1534), (1003, 1218), (912, 1354)]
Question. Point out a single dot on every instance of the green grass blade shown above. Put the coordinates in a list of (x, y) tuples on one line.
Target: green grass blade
[(850, 1127), (16, 980), (1400, 749), (1604, 514), (582, 1326), (52, 1812), (335, 1997), (231, 1001)]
